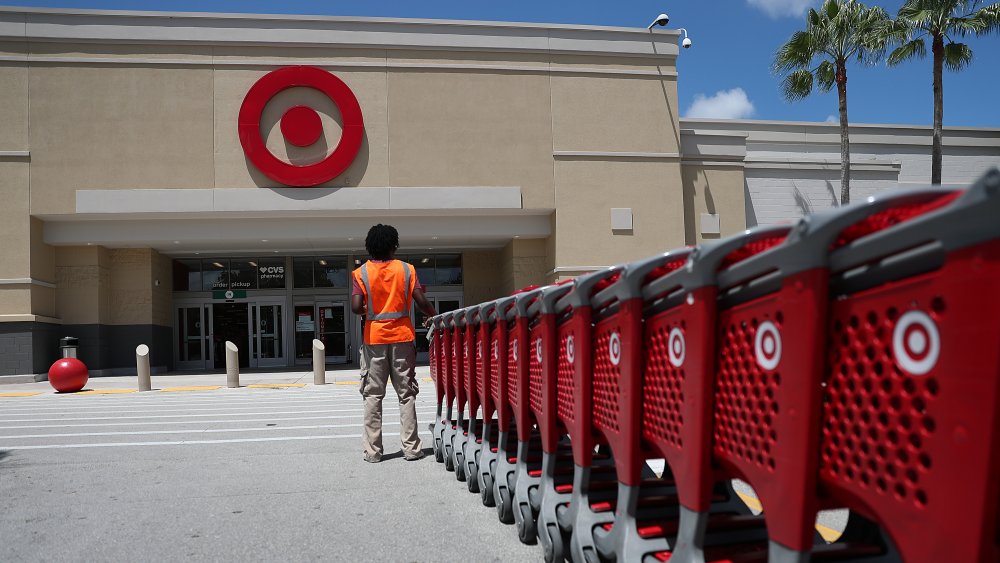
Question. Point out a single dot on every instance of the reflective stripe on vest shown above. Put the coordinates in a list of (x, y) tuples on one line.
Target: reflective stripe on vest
[(391, 314)]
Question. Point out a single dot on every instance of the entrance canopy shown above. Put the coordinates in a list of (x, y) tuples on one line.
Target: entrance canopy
[(289, 220)]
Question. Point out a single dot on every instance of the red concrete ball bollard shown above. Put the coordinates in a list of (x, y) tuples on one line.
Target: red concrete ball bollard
[(68, 375)]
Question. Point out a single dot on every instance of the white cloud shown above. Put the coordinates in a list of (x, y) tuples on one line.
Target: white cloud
[(780, 8), (725, 104), (832, 119)]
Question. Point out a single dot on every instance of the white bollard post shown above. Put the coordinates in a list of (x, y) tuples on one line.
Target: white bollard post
[(319, 362), (232, 365), (142, 367)]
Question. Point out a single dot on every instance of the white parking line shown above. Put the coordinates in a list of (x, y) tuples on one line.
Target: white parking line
[(223, 421), (191, 442), (158, 416), (190, 431), (198, 408)]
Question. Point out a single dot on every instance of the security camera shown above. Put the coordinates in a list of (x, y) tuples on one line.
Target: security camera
[(662, 20), (686, 42)]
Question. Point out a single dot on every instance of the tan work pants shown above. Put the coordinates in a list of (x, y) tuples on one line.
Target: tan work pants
[(379, 364)]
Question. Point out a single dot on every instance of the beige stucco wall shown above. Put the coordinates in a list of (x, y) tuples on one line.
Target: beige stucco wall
[(96, 285), (472, 129), (83, 282), (524, 262), (116, 126), (717, 190), (620, 114), (481, 281), (589, 189)]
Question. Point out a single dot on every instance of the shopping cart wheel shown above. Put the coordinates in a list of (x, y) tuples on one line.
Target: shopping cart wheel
[(526, 526), (554, 542), (505, 504), (486, 489)]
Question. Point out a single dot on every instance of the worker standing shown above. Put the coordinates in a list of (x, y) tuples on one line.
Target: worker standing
[(384, 290)]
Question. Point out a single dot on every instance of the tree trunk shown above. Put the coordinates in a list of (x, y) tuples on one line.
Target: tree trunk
[(845, 140), (938, 50)]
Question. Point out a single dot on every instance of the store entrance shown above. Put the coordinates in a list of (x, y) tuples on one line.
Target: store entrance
[(230, 322)]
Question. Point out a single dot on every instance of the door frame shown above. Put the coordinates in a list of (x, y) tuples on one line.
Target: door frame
[(205, 314), (255, 338)]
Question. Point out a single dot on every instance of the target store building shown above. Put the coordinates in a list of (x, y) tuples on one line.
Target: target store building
[(180, 180)]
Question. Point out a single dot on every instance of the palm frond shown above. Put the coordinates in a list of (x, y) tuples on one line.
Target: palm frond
[(957, 56), (826, 76), (797, 53), (986, 20), (797, 85), (916, 49)]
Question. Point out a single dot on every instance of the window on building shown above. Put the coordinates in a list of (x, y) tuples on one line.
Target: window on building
[(330, 271), (215, 274), (187, 275), (271, 273), (243, 273), (448, 269), (302, 272)]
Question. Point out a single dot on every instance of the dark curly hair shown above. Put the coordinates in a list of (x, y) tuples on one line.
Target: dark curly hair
[(382, 242)]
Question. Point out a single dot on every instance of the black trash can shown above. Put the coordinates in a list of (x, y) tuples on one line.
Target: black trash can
[(69, 345)]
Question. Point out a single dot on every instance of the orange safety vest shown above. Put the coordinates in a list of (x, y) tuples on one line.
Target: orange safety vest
[(388, 288)]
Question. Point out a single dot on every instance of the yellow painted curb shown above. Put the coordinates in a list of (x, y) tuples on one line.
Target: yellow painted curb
[(751, 502), (345, 383), (203, 388), (829, 534), (428, 379), (105, 391), (275, 385), (21, 394)]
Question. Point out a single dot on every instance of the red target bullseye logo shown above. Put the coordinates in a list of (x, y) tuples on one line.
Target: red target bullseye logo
[(570, 349), (767, 345), (479, 350), (916, 343), (676, 348), (514, 344), (538, 350), (615, 348), (301, 126)]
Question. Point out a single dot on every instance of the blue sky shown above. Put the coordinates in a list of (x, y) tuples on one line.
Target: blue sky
[(726, 73)]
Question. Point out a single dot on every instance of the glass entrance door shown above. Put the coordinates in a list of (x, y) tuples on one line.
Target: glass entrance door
[(191, 337), (325, 321), (267, 325), (331, 328)]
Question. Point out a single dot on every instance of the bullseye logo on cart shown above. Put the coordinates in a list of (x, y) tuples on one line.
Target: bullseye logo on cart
[(301, 127)]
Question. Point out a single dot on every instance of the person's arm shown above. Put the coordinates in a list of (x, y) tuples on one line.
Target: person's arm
[(425, 306), (358, 305)]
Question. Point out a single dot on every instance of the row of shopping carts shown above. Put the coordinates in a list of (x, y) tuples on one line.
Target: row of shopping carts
[(851, 360)]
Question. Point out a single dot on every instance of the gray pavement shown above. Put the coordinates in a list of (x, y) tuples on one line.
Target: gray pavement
[(249, 474), (232, 474)]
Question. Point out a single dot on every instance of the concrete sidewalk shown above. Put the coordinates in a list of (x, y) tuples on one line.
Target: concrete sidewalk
[(334, 376)]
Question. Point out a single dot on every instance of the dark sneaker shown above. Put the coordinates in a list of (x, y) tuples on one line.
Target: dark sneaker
[(372, 458), (419, 455)]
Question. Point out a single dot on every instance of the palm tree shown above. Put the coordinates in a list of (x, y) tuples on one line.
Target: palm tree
[(940, 21), (839, 32)]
